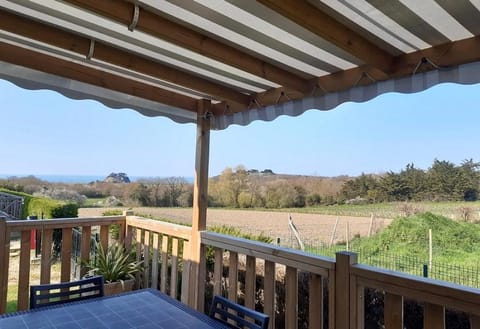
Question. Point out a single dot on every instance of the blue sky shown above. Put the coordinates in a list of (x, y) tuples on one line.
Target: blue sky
[(46, 133)]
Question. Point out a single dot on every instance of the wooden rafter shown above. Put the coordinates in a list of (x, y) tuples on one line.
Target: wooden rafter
[(79, 44), (304, 14), (69, 69), (165, 29)]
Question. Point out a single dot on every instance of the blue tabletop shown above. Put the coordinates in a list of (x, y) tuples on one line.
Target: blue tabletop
[(145, 309)]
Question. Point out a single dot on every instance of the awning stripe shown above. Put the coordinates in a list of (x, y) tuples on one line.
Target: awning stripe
[(463, 74)]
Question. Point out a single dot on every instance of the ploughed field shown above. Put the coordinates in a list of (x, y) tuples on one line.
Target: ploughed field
[(314, 229)]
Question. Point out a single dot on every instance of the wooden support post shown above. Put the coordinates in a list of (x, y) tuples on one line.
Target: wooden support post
[(200, 202), (343, 291)]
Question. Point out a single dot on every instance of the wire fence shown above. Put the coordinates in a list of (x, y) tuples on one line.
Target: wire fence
[(464, 275)]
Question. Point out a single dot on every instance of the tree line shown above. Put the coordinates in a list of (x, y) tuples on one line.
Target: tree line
[(242, 188), (443, 181)]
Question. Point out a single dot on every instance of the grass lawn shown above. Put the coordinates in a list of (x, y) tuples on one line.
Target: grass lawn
[(12, 298)]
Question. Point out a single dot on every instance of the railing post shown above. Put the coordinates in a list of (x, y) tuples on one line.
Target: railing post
[(345, 307), (4, 262)]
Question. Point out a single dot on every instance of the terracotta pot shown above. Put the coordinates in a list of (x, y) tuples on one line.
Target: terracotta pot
[(117, 287)]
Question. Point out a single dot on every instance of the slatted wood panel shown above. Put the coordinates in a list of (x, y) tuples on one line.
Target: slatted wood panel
[(233, 276), (156, 247), (269, 292), (174, 265), (474, 322), (434, 316), (186, 272), (164, 272), (66, 256), (146, 259), (393, 314), (315, 302), (24, 271), (291, 298), (139, 236), (218, 272), (45, 267), (85, 248), (4, 263), (250, 282)]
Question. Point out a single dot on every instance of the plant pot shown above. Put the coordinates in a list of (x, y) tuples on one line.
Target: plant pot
[(114, 288)]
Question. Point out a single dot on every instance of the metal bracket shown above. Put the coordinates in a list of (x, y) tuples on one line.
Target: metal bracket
[(364, 75), (423, 61)]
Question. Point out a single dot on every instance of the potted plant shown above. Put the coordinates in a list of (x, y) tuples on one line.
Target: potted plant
[(118, 267)]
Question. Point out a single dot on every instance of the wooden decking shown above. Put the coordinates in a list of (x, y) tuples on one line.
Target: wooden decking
[(286, 284)]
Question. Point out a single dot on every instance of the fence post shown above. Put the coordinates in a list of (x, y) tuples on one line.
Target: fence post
[(345, 290)]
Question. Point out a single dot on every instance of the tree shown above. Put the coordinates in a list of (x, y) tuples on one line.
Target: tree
[(442, 181), (175, 186)]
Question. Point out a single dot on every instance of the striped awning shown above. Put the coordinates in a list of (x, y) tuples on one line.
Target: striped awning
[(253, 60)]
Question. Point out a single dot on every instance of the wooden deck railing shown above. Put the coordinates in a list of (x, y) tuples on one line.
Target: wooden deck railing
[(317, 270), (324, 292), (23, 228), (164, 249)]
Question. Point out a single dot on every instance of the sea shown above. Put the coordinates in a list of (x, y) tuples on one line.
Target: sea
[(80, 179)]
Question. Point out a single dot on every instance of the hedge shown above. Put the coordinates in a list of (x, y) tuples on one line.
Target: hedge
[(43, 207)]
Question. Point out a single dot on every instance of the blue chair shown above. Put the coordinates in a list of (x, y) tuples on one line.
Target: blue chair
[(58, 293), (237, 316)]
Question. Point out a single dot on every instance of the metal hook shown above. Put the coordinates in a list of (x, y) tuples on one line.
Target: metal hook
[(136, 14), (91, 49)]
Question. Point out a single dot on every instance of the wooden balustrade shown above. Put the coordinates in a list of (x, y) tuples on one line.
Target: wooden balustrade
[(435, 296), (296, 281), (162, 247), (23, 228), (267, 261)]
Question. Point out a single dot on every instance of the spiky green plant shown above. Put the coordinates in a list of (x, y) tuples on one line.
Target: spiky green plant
[(115, 263)]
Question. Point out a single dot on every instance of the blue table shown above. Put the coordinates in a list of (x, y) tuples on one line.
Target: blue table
[(142, 309)]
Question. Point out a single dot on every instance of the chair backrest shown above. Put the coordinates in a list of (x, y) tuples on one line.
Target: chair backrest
[(58, 293), (236, 315)]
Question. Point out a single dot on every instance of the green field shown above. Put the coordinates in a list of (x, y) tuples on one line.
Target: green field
[(404, 246), (450, 209)]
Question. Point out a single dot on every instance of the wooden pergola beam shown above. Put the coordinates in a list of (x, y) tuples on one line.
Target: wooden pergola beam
[(75, 71), (182, 36), (313, 19), (79, 44)]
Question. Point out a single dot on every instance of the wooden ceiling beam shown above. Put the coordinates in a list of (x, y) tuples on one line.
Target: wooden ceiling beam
[(78, 44), (313, 19), (76, 71), (158, 26), (442, 56)]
